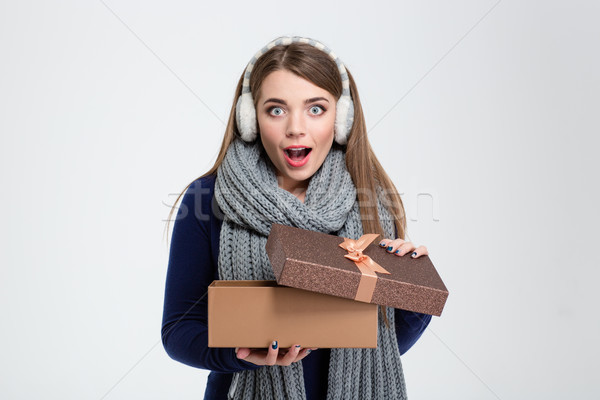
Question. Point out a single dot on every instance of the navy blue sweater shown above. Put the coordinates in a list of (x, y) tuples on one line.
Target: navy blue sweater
[(192, 267)]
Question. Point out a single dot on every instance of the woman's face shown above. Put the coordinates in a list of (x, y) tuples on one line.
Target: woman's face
[(296, 120)]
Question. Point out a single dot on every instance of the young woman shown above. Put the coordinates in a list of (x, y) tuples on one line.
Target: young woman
[(295, 152)]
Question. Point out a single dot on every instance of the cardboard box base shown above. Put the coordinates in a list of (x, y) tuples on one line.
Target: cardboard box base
[(254, 313)]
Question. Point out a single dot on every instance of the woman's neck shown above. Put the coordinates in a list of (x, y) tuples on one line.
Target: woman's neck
[(296, 188)]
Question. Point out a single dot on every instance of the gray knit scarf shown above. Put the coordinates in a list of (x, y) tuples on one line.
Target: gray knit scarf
[(247, 192)]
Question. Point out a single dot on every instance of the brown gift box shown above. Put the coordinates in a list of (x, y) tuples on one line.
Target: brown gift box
[(254, 313), (315, 261)]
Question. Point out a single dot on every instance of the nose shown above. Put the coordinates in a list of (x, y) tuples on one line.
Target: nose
[(296, 124)]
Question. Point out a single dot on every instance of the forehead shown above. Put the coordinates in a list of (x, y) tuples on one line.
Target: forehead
[(284, 83)]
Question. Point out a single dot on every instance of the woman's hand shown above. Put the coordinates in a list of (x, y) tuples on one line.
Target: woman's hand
[(401, 247), (273, 355)]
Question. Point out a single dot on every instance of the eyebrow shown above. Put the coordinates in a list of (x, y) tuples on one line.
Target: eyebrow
[(312, 99)]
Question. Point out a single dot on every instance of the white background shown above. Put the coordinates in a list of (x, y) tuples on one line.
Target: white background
[(109, 109)]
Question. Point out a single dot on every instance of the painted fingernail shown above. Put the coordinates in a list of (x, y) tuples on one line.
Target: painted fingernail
[(274, 345), (308, 351), (382, 244), (389, 248), (414, 254), (397, 251), (297, 345)]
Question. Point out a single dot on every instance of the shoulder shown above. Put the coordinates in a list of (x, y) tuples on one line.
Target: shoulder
[(199, 197), (201, 187), (206, 182)]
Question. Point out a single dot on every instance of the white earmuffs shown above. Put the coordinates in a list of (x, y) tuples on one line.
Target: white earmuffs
[(245, 113)]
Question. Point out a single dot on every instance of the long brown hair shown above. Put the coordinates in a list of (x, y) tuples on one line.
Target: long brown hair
[(367, 173)]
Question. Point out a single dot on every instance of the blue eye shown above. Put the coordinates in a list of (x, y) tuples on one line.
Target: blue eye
[(322, 110), (276, 111)]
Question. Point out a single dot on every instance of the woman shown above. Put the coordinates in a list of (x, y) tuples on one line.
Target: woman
[(295, 152)]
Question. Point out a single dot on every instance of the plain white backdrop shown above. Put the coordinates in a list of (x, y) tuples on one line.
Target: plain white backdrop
[(484, 113)]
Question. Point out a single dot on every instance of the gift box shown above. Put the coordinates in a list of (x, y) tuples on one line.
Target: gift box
[(254, 313), (354, 269)]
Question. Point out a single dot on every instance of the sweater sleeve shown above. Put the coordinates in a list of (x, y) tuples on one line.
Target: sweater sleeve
[(409, 327), (191, 269)]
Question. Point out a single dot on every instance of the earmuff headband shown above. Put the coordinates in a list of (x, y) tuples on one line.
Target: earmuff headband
[(246, 113)]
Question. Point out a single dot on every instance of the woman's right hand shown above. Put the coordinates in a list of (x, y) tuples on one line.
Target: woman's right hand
[(273, 355)]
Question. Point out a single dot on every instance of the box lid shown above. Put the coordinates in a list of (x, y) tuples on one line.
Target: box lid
[(314, 261)]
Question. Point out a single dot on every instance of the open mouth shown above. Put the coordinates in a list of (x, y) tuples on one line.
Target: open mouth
[(297, 156)]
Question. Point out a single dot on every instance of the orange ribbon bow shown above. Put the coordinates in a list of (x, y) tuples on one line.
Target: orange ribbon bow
[(365, 264)]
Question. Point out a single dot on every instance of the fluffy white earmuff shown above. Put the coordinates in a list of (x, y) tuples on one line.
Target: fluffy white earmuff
[(245, 117), (344, 116)]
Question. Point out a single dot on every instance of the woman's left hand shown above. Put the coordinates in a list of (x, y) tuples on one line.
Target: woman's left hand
[(401, 247)]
